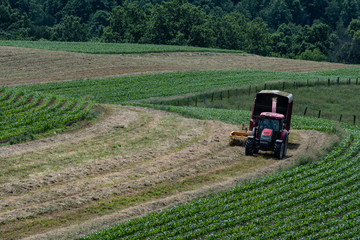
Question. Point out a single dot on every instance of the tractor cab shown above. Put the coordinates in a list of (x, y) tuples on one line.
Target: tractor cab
[(270, 123), (270, 127), (269, 135)]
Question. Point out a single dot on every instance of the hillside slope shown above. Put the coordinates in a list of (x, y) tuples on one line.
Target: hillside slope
[(25, 66)]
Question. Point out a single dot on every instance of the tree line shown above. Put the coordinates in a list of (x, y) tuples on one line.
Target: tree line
[(322, 30)]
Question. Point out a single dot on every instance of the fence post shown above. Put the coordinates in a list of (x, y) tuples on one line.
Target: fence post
[(283, 86), (249, 90), (178, 103), (221, 96), (354, 119), (265, 86), (212, 97), (349, 81), (256, 89), (307, 83), (340, 118), (357, 80), (329, 82), (305, 111), (319, 114), (204, 99)]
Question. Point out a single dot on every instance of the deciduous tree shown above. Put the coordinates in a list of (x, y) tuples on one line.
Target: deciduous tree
[(127, 23), (70, 29)]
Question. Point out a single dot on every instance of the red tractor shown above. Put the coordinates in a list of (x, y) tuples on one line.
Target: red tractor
[(270, 123)]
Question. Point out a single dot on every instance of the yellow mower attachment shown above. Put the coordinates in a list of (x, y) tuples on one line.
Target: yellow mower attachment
[(239, 138)]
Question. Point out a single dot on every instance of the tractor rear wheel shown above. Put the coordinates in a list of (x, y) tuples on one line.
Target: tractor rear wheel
[(249, 147), (279, 150)]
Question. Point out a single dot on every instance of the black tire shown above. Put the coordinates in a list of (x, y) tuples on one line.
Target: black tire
[(249, 147), (279, 150), (285, 145)]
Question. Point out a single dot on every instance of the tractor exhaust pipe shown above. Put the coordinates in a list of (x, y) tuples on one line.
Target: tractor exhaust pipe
[(274, 103)]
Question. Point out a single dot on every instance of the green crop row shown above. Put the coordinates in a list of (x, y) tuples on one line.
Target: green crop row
[(23, 113), (317, 200), (132, 88)]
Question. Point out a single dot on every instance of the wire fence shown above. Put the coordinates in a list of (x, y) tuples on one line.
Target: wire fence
[(207, 99)]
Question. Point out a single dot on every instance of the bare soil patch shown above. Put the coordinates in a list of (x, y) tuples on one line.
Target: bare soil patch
[(131, 162), (26, 66)]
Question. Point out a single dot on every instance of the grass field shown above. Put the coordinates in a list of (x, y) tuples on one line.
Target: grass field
[(130, 88), (131, 156), (333, 101), (240, 117), (135, 160), (20, 66), (108, 48)]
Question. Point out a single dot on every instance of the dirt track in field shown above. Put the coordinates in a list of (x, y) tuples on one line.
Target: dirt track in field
[(26, 66), (49, 187)]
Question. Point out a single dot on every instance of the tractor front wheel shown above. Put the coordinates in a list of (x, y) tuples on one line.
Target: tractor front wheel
[(286, 139), (279, 149), (249, 147)]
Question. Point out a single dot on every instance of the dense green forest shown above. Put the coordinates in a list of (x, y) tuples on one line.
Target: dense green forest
[(322, 30)]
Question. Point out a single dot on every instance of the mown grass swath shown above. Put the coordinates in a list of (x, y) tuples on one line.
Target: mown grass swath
[(26, 113), (317, 200), (109, 48)]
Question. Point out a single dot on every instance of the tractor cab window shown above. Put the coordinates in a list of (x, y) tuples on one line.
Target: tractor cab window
[(269, 123)]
